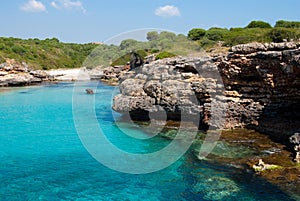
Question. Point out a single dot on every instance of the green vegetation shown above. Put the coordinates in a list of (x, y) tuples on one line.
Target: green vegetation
[(164, 54), (216, 34), (158, 44), (196, 34), (45, 54), (52, 54), (255, 31), (279, 34), (258, 24), (287, 24), (153, 35), (123, 60)]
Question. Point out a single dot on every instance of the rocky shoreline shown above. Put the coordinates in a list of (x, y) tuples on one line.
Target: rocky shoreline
[(14, 73), (254, 86)]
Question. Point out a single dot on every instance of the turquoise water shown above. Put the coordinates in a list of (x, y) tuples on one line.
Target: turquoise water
[(42, 157)]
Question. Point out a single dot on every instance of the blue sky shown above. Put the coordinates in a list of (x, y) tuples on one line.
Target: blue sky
[(97, 20)]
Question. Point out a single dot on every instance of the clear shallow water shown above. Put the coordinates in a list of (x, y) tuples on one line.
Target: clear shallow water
[(42, 158)]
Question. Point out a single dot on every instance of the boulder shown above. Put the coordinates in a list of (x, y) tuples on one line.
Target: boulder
[(13, 73), (89, 91), (295, 141), (135, 60)]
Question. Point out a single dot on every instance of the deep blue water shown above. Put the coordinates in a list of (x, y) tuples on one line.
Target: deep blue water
[(42, 157)]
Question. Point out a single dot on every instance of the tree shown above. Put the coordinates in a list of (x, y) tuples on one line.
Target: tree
[(167, 35), (196, 34), (125, 44), (258, 24), (216, 34), (153, 35)]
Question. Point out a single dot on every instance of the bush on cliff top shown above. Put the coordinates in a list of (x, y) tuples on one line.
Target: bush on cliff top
[(281, 34), (196, 34), (164, 55), (287, 24), (258, 24), (255, 31)]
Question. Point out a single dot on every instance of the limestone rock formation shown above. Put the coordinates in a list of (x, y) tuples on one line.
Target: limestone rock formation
[(295, 141), (109, 74), (266, 79), (253, 86), (135, 60), (13, 73), (172, 87)]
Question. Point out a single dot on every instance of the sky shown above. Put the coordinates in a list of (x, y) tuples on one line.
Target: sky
[(83, 21)]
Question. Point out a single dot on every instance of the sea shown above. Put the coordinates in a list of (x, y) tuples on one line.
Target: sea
[(52, 147)]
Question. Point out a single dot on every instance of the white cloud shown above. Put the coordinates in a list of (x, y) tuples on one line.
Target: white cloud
[(33, 6), (68, 5), (167, 11), (53, 4)]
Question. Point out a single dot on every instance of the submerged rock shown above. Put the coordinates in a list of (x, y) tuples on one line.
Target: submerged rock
[(216, 188), (89, 91)]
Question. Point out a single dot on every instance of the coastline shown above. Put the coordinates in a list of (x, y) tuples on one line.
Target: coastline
[(14, 74), (76, 74), (260, 92), (269, 150)]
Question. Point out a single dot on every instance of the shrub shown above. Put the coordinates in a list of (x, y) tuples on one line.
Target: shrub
[(167, 35), (242, 36), (164, 54), (279, 34), (18, 49), (153, 51), (287, 24), (153, 35), (236, 29), (216, 34), (196, 34), (258, 24), (206, 43), (2, 47), (125, 44)]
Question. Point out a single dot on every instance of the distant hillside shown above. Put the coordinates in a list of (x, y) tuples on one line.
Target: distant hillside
[(45, 54)]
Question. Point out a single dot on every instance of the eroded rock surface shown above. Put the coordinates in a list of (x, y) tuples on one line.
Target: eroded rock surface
[(254, 86), (13, 73), (295, 140)]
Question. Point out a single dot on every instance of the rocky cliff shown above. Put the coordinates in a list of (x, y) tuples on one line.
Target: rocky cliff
[(253, 86)]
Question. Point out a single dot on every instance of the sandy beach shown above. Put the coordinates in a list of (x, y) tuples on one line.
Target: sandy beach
[(78, 74)]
